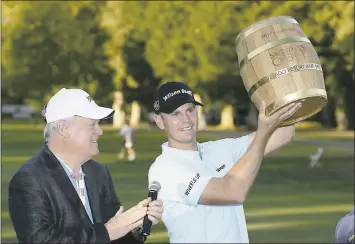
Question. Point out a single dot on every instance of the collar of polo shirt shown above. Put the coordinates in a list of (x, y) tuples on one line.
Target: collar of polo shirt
[(180, 152)]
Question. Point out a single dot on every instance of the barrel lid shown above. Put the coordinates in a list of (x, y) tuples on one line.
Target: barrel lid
[(262, 23)]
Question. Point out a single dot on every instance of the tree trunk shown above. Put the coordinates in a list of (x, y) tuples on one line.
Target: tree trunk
[(252, 118), (328, 114), (201, 114), (135, 114), (340, 114), (227, 120), (349, 101), (345, 103), (119, 115)]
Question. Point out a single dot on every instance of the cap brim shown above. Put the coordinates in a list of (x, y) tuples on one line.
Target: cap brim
[(177, 105), (98, 113), (197, 103)]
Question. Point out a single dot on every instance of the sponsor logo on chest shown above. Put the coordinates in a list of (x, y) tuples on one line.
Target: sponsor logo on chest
[(220, 168)]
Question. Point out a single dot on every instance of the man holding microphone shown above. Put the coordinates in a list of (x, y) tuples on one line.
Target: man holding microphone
[(62, 195)]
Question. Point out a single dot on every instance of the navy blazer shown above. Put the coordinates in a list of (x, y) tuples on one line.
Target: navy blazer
[(45, 207)]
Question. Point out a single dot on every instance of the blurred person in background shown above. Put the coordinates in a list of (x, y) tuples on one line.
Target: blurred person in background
[(344, 232), (62, 195), (127, 135), (204, 185)]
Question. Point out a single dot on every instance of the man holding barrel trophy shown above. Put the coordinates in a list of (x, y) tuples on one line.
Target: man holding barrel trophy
[(204, 185)]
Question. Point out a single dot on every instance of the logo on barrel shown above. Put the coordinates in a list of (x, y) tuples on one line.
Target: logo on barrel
[(302, 50), (284, 54)]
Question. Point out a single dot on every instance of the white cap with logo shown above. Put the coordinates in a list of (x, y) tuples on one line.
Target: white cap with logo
[(74, 102)]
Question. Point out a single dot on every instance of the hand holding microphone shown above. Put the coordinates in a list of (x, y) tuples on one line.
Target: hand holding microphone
[(125, 221), (145, 214), (154, 211)]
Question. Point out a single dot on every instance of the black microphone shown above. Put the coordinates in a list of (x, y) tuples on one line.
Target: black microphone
[(154, 188)]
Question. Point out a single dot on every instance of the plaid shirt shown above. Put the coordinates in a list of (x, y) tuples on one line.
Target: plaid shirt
[(79, 185)]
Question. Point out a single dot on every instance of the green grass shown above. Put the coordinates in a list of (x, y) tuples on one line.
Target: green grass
[(329, 134), (288, 203)]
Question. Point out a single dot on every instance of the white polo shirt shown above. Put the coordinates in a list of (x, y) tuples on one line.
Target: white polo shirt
[(183, 176)]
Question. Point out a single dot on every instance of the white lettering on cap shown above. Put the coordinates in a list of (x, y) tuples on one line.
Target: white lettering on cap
[(188, 92), (171, 94)]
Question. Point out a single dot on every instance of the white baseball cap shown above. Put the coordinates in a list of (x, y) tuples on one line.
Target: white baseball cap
[(70, 102)]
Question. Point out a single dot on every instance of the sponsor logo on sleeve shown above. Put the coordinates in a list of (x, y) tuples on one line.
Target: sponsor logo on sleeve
[(192, 183)]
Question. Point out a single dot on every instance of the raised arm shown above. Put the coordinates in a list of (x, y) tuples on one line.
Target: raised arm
[(235, 185), (281, 137)]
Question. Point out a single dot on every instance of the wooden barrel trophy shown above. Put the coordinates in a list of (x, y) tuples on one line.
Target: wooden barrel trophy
[(279, 65)]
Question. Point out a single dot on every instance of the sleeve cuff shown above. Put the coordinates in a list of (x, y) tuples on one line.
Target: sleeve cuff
[(102, 235), (197, 191)]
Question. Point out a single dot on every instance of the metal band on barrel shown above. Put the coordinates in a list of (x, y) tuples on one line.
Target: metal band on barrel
[(269, 45), (299, 95), (259, 26), (282, 72)]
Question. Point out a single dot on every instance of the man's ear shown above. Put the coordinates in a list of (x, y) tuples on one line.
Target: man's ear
[(159, 121), (63, 129)]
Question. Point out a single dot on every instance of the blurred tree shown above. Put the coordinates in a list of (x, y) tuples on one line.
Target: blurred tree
[(186, 41), (194, 42), (49, 45), (126, 22), (338, 57)]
